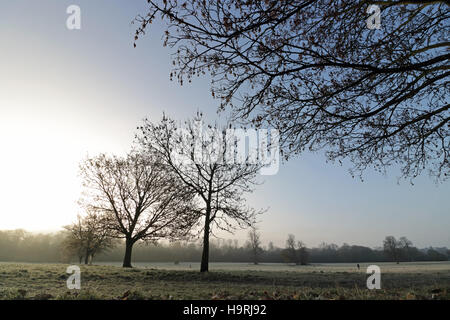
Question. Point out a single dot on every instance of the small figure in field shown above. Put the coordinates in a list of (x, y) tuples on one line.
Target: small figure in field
[(357, 265)]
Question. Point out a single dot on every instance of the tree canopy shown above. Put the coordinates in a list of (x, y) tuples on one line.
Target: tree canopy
[(140, 200), (316, 72), (206, 161)]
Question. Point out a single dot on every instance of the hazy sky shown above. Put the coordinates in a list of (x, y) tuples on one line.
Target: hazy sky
[(65, 94)]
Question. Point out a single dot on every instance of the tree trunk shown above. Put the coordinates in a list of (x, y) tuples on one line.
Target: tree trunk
[(128, 251), (86, 259), (205, 254)]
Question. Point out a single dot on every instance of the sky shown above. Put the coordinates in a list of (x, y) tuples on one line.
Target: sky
[(68, 94)]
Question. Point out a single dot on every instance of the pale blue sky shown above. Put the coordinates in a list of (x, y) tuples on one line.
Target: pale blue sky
[(65, 94)]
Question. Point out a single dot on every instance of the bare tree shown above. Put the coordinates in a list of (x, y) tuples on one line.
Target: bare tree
[(314, 70), (295, 252), (391, 248), (303, 254), (88, 237), (254, 243), (406, 247), (290, 253), (73, 243), (97, 236), (140, 200), (199, 160)]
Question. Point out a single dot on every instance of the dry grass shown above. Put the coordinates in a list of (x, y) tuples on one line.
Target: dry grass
[(48, 281)]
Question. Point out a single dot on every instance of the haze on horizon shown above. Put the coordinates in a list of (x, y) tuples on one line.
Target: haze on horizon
[(66, 94)]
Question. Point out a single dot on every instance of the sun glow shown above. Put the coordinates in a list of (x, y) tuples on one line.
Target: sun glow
[(41, 148)]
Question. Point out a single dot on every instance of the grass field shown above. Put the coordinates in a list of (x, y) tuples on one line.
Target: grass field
[(226, 281)]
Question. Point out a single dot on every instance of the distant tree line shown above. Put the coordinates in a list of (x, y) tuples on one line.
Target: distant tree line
[(22, 246)]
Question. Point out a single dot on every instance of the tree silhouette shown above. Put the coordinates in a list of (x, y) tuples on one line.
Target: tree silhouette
[(392, 248), (290, 253), (406, 246), (254, 244), (140, 200), (87, 237), (218, 184), (315, 71)]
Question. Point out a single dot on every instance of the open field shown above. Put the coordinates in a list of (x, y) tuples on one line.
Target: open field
[(408, 267), (226, 281)]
